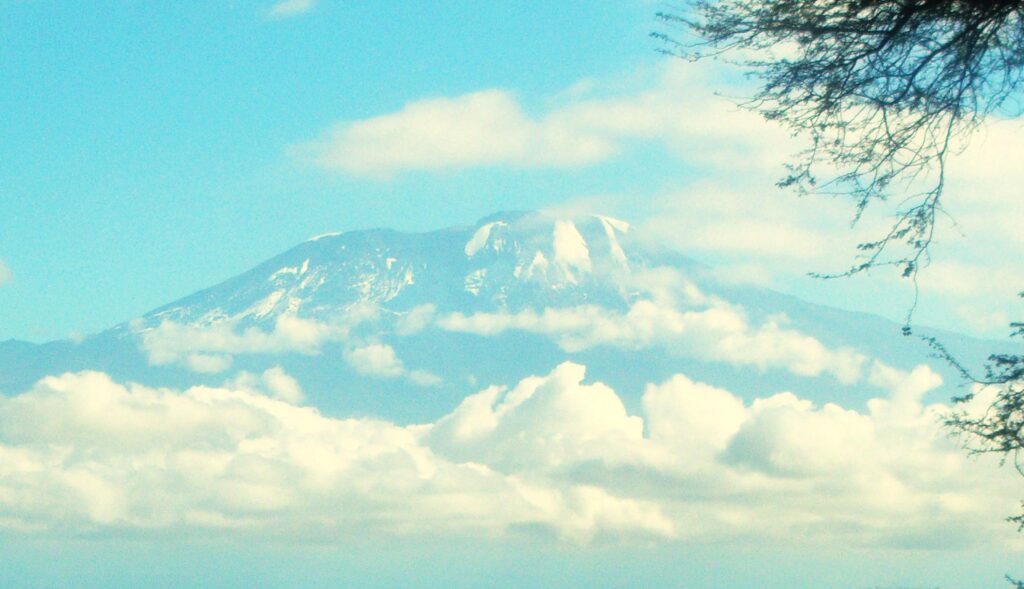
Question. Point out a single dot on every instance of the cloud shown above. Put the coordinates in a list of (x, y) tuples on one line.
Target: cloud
[(5, 274), (375, 360), (208, 348), (747, 222), (290, 8), (540, 424), (490, 128), (485, 128), (273, 382), (380, 361), (282, 386), (81, 451), (718, 332), (750, 233), (415, 320), (211, 348)]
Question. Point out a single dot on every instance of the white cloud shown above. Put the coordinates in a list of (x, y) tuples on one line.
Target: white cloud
[(750, 233), (490, 128), (718, 332), (209, 348), (81, 451), (282, 385), (381, 361), (485, 128), (5, 274), (678, 414), (415, 320), (375, 360), (544, 422), (273, 382), (747, 222), (290, 8)]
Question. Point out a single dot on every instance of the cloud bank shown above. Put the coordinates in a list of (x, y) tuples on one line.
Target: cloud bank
[(719, 332), (491, 128), (83, 452), (209, 348)]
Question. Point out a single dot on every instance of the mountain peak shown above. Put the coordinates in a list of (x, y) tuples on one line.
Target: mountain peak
[(510, 259)]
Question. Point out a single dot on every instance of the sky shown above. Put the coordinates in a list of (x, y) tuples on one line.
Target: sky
[(151, 151)]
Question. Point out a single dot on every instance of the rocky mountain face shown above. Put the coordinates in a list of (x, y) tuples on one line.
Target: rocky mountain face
[(508, 261)]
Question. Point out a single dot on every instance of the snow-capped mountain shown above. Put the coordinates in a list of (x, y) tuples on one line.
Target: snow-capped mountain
[(505, 261), (405, 325)]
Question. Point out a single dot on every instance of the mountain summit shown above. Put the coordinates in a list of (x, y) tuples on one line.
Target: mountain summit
[(506, 261)]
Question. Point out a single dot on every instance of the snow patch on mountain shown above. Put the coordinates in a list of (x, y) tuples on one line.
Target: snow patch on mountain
[(323, 236), (481, 237), (538, 266), (265, 306), (571, 250), (611, 226), (475, 280)]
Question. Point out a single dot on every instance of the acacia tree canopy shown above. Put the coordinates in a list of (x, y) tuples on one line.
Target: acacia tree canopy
[(885, 91)]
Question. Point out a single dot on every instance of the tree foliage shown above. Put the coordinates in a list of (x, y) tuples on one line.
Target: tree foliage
[(999, 428), (884, 90)]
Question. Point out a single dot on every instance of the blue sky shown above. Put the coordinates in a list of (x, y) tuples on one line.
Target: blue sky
[(150, 151)]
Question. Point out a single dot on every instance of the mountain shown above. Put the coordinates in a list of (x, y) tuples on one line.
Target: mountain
[(508, 261), (404, 326)]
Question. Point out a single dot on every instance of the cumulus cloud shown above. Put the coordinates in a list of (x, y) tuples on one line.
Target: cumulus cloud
[(282, 385), (81, 451), (375, 360), (290, 8), (778, 466), (380, 361), (719, 332), (491, 128), (485, 128)]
